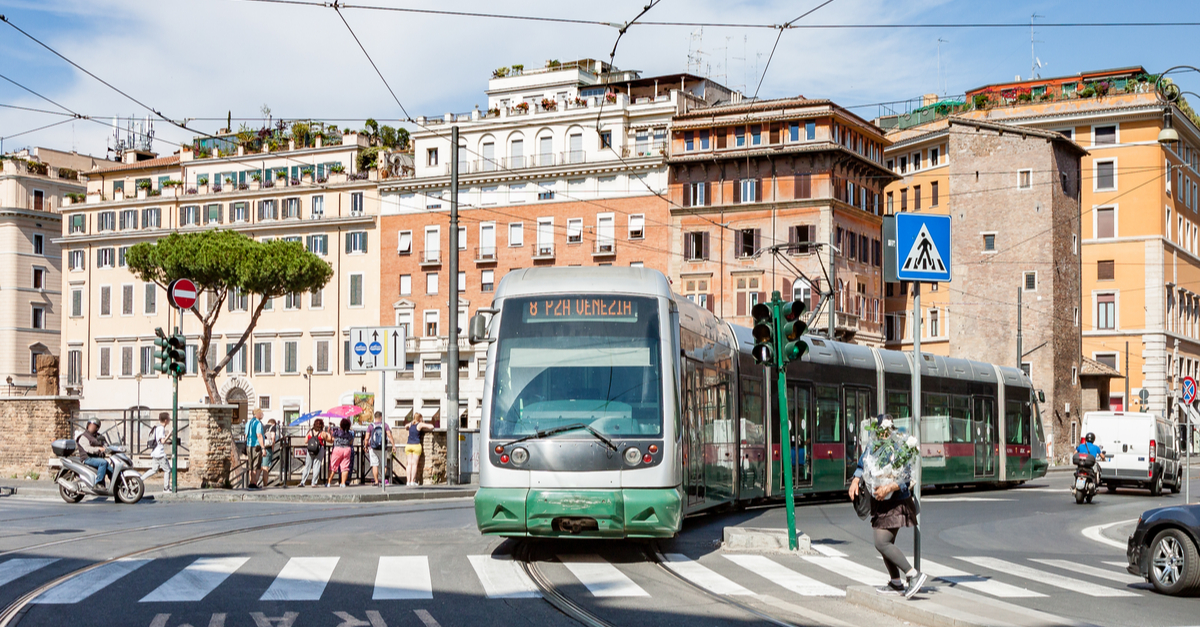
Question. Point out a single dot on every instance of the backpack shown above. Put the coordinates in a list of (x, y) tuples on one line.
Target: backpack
[(314, 444), (377, 437)]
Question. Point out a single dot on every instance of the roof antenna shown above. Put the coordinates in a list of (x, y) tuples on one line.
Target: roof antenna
[(1035, 63)]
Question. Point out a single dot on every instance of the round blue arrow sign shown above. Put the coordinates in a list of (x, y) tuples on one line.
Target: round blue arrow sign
[(376, 348), (360, 349)]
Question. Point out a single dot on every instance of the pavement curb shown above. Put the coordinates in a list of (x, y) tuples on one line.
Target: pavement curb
[(949, 607), (229, 496)]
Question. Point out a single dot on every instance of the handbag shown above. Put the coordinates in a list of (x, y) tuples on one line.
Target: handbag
[(862, 502)]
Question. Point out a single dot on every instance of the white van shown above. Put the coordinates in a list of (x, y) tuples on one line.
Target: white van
[(1139, 448)]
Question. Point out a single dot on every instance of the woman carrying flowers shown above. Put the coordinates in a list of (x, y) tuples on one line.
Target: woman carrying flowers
[(885, 471)]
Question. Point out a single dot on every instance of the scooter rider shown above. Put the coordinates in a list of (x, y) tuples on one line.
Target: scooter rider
[(92, 448), (1089, 447)]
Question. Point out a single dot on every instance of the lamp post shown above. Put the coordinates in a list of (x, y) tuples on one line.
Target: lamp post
[(9, 380), (1168, 94), (308, 372), (138, 378)]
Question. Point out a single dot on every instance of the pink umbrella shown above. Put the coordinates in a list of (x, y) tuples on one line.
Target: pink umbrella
[(342, 411)]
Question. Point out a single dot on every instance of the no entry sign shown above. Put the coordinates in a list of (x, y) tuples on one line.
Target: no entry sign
[(182, 293)]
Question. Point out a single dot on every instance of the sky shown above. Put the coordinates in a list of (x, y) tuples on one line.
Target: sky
[(199, 59)]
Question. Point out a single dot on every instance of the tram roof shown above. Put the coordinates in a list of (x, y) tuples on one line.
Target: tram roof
[(582, 279)]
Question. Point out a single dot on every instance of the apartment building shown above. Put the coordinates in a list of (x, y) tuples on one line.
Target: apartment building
[(34, 185), (797, 173), (566, 167), (308, 190), (1139, 215)]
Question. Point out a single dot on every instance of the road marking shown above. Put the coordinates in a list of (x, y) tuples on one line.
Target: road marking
[(403, 577), (1121, 565), (85, 585), (503, 578), (976, 582), (196, 581), (426, 618), (1048, 578), (1094, 533), (302, 579), (964, 499), (702, 576), (827, 551), (785, 577), (19, 567), (601, 578), (1083, 569), (850, 570)]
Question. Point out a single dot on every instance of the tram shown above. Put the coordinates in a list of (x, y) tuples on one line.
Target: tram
[(614, 407)]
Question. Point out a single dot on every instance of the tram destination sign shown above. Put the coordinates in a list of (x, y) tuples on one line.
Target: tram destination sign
[(580, 308), (377, 348)]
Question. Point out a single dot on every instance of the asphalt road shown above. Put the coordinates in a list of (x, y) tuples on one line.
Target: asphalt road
[(424, 564)]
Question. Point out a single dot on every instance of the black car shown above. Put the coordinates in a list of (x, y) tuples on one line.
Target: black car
[(1163, 549)]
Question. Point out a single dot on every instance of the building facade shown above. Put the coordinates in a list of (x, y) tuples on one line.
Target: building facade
[(796, 174), (310, 192)]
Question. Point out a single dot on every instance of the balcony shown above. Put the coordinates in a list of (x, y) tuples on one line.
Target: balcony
[(431, 257), (846, 325), (604, 249), (485, 254), (543, 252)]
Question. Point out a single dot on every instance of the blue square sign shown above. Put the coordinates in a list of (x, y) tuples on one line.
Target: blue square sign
[(922, 247)]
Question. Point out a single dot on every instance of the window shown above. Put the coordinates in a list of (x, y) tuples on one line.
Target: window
[(794, 132), (989, 241), (1105, 270), (213, 214), (291, 301), (322, 349), (756, 135), (1106, 311), (106, 221), (129, 219), (238, 300), (916, 161), (105, 257), (904, 200), (318, 208), (637, 226), (1104, 135), (237, 362), (462, 282), (800, 236), (146, 361), (78, 223), (189, 215), (933, 194), (39, 278), (739, 136), (76, 303), (695, 246), (810, 131), (1108, 359), (126, 361), (689, 140), (516, 234), (356, 290), (748, 295), (431, 283), (749, 189), (605, 232), (356, 242), (695, 194), (1024, 179), (575, 150), (934, 158), (574, 230), (487, 280), (431, 156), (431, 324), (356, 204), (404, 243), (37, 317), (316, 299), (291, 208), (317, 244), (1106, 175), (290, 357), (1030, 281), (933, 323), (916, 198), (891, 208), (150, 299), (267, 210), (462, 238), (1106, 223), (105, 361), (747, 243), (405, 284), (75, 259), (262, 358)]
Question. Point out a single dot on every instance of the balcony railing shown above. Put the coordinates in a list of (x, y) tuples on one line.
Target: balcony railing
[(485, 254), (544, 160), (431, 257), (543, 251)]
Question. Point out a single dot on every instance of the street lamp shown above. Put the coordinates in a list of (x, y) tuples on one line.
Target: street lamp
[(138, 378), (308, 372), (1168, 94)]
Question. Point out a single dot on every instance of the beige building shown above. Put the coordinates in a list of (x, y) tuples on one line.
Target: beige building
[(34, 185), (311, 193)]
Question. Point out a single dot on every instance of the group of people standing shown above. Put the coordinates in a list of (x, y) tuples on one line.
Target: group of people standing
[(337, 443)]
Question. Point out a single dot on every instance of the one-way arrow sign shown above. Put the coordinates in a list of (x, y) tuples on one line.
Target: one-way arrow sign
[(378, 348)]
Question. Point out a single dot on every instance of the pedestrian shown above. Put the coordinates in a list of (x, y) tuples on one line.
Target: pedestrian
[(379, 437), (343, 443), (316, 441), (254, 450), (271, 442), (413, 449), (160, 436), (892, 508)]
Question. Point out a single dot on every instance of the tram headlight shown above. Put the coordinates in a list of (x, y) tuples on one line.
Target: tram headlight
[(633, 456), (519, 456)]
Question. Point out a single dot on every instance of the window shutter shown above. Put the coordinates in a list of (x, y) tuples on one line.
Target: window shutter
[(308, 243), (762, 297), (708, 302), (687, 246), (787, 289), (347, 243), (737, 191), (364, 241), (687, 194), (793, 234), (741, 303), (757, 239), (704, 253), (774, 138), (707, 193), (721, 135), (816, 295), (758, 183)]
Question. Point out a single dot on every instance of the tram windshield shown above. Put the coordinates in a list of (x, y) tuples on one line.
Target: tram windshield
[(592, 360)]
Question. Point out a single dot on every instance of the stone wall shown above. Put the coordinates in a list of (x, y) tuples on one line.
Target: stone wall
[(29, 425), (433, 462), (211, 446)]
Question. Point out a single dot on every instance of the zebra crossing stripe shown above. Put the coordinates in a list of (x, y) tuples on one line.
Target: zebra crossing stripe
[(976, 582), (85, 585), (1083, 569), (827, 551), (403, 577), (702, 576), (601, 578), (502, 577), (16, 568), (196, 581), (785, 577), (1048, 578), (850, 570), (302, 579)]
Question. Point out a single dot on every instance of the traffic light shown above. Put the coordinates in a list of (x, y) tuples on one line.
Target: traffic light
[(162, 356), (177, 352), (792, 347), (764, 335)]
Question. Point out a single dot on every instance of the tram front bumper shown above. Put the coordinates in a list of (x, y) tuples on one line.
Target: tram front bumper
[(632, 513)]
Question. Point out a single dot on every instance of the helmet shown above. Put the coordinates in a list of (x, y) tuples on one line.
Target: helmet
[(94, 421), (1091, 438)]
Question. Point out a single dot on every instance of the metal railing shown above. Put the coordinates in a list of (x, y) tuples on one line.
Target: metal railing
[(485, 253), (543, 251), (605, 248), (431, 256), (131, 426)]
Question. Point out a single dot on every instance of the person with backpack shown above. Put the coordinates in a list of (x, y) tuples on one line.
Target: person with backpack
[(379, 434), (315, 443), (159, 437), (254, 448)]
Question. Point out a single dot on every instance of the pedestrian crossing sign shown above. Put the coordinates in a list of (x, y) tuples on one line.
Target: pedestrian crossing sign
[(922, 247)]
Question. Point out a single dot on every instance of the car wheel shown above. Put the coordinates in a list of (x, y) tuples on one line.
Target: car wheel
[(1176, 486), (1174, 562), (1156, 487)]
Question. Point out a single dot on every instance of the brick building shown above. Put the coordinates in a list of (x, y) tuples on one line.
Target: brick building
[(795, 172)]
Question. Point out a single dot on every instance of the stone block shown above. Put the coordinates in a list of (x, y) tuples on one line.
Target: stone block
[(29, 425), (760, 539), (211, 446)]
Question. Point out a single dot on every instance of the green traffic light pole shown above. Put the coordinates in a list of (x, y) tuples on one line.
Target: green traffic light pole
[(785, 430), (175, 423)]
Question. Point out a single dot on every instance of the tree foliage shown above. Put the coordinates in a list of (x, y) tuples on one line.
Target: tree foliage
[(224, 264)]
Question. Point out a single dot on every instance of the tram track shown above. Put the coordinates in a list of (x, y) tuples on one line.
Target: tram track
[(12, 614)]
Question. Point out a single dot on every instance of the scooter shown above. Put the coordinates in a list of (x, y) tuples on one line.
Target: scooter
[(1087, 477), (76, 479)]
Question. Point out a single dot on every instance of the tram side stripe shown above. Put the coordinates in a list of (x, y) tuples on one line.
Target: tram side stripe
[(802, 585), (702, 576), (1048, 578), (196, 581), (302, 579), (79, 588), (503, 578), (16, 568), (601, 578), (403, 577)]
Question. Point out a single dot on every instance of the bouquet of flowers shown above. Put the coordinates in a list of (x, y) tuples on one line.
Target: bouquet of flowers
[(889, 455)]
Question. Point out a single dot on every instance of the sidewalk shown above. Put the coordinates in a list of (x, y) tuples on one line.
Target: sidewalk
[(22, 488)]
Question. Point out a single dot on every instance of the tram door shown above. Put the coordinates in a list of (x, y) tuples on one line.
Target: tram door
[(800, 425), (984, 429), (858, 411), (693, 441)]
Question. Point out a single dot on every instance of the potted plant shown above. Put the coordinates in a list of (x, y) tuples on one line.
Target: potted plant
[(281, 178), (306, 176), (610, 97), (517, 69), (500, 72), (143, 189), (202, 182), (549, 105), (522, 107)]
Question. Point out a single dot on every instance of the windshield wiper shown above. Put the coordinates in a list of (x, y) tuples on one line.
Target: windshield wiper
[(571, 427)]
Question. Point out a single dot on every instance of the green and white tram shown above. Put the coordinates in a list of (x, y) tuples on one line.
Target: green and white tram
[(614, 407)]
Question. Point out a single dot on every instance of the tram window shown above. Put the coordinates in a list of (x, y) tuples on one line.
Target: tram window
[(897, 405), (935, 419), (829, 418), (1016, 420), (752, 411), (960, 419)]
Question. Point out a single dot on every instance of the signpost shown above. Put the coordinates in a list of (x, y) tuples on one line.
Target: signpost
[(171, 359), (381, 349), (917, 249), (182, 294), (1189, 390)]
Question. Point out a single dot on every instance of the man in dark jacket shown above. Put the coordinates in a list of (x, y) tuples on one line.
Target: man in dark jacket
[(92, 448)]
